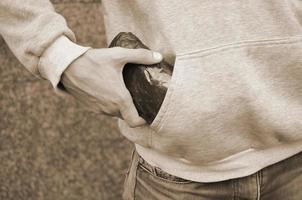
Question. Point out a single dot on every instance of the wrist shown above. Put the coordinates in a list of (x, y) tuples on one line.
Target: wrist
[(58, 57)]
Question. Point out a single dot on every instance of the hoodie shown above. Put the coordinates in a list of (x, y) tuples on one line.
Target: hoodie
[(234, 103)]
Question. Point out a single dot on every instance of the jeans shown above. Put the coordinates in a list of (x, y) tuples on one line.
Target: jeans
[(281, 181)]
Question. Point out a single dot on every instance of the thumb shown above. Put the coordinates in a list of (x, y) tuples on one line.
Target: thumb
[(130, 114), (141, 56)]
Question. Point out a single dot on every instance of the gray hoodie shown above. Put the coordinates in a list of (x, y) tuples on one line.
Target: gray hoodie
[(234, 104)]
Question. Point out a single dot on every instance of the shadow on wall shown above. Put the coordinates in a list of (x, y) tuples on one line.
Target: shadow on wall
[(50, 148)]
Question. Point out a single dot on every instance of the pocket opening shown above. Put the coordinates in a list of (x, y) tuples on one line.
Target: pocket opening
[(161, 175), (155, 125)]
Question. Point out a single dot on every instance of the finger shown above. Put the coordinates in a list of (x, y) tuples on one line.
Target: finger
[(141, 56), (130, 114)]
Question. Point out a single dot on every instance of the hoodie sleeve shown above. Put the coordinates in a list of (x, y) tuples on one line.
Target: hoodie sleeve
[(39, 37)]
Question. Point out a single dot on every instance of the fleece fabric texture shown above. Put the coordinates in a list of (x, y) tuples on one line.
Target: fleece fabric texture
[(234, 104), (39, 37)]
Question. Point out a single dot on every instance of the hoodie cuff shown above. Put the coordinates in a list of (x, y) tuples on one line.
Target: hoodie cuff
[(57, 57)]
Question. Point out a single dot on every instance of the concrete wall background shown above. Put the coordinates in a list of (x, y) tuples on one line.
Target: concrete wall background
[(50, 147)]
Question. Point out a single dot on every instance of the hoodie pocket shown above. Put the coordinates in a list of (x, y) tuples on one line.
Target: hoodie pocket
[(225, 100), (143, 135)]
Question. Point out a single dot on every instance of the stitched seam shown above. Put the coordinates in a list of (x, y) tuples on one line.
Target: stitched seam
[(160, 119), (135, 180), (151, 138), (261, 181), (163, 179), (258, 185), (160, 178), (243, 43), (235, 189), (131, 159), (223, 48), (134, 187), (167, 111), (163, 109)]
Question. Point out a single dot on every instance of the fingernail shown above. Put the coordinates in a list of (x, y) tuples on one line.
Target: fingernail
[(157, 56)]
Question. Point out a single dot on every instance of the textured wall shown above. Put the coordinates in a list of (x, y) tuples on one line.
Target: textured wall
[(50, 148)]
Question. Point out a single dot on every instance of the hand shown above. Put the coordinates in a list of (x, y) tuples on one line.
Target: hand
[(96, 80)]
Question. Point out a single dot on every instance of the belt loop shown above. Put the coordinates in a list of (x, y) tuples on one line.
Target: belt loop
[(129, 191)]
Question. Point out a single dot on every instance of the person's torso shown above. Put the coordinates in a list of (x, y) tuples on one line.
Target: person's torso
[(237, 80)]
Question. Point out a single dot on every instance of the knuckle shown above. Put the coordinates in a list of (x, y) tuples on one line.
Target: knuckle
[(119, 54), (120, 58), (120, 101), (134, 122), (144, 52), (130, 121), (124, 100), (111, 111), (117, 48)]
